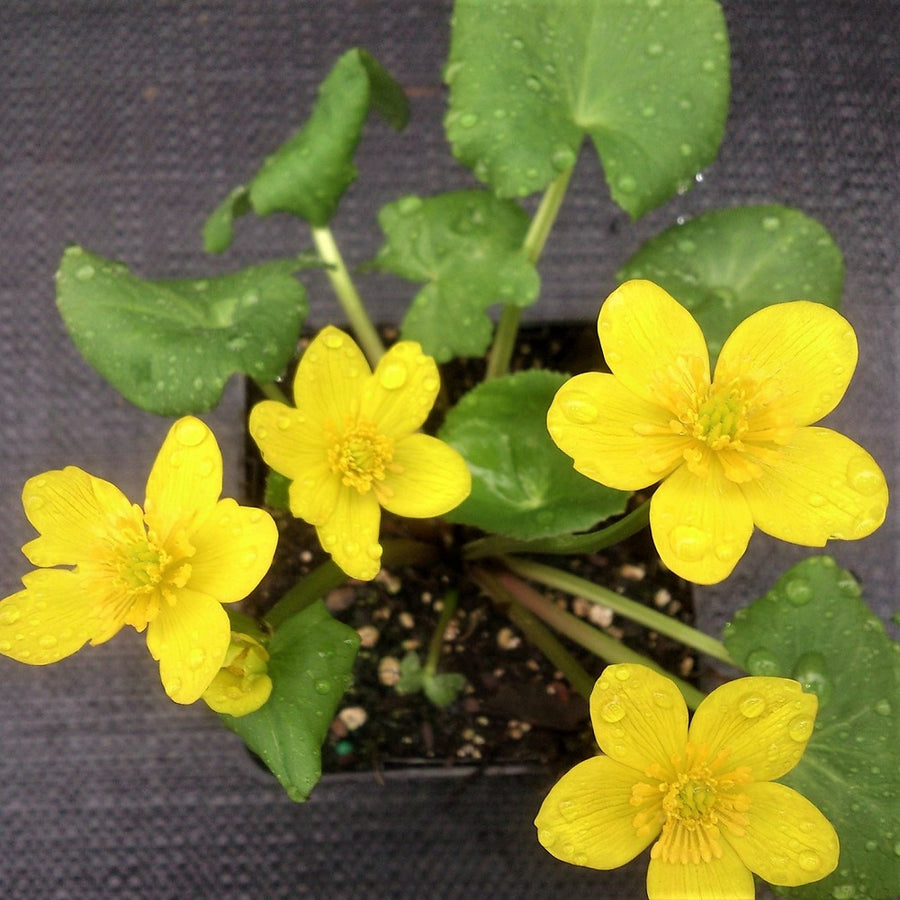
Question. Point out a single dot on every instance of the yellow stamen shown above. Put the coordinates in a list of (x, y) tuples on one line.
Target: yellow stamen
[(360, 455)]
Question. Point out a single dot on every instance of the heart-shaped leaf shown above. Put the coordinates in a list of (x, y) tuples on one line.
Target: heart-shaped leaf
[(467, 246), (814, 627), (170, 346), (729, 263), (310, 659), (308, 174), (523, 485), (648, 82)]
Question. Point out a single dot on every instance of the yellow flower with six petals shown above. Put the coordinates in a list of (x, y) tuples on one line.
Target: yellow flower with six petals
[(705, 793), (168, 567), (352, 446), (730, 452)]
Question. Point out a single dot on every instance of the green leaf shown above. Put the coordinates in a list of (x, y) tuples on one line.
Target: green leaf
[(467, 246), (522, 484), (729, 263), (814, 627), (308, 174), (311, 656), (648, 82), (218, 230), (441, 688), (170, 346)]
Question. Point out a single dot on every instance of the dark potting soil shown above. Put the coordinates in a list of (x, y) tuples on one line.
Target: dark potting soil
[(516, 707)]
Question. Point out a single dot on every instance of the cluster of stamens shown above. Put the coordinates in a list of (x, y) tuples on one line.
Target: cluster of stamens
[(360, 455)]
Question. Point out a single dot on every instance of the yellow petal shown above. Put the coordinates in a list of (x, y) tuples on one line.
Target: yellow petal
[(587, 818), (762, 722), (399, 395), (73, 511), (232, 551), (314, 495), (822, 486), (286, 440), (190, 640), (612, 435), (639, 716), (49, 620), (647, 336), (787, 839), (186, 479), (329, 380), (701, 524), (426, 478), (351, 534), (807, 350), (726, 878)]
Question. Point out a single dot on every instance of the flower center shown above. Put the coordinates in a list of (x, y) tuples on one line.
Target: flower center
[(701, 801), (719, 419), (361, 456)]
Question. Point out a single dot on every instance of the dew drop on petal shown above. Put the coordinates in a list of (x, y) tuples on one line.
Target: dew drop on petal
[(47, 641), (579, 409), (689, 543), (809, 861), (863, 477), (622, 673), (612, 711), (752, 706), (283, 422), (800, 728), (9, 614), (334, 340), (393, 376), (662, 699), (190, 432), (567, 809), (196, 658)]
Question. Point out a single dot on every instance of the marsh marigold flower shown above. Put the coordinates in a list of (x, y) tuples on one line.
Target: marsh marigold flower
[(732, 451), (352, 446), (705, 794), (243, 684), (166, 568)]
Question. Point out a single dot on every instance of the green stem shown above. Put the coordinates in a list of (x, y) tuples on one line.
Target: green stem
[(347, 294), (437, 638), (541, 225), (327, 576), (567, 544), (587, 636), (637, 612), (271, 390), (534, 630)]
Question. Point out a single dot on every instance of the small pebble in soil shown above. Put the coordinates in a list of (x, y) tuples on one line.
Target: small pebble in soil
[(661, 598), (507, 639), (368, 636), (389, 671), (353, 717)]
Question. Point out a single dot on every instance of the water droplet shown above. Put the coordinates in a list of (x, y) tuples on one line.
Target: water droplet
[(563, 159), (393, 376), (662, 700), (800, 728), (686, 150), (771, 223), (843, 892), (47, 641), (174, 685), (580, 409), (567, 809), (655, 49), (863, 476), (5, 645), (627, 184), (533, 84), (622, 674), (882, 707), (726, 552), (752, 706), (9, 613), (408, 205), (811, 670), (762, 662), (648, 111), (871, 846), (333, 339), (612, 711), (196, 658), (468, 120), (85, 273), (799, 591), (816, 500), (546, 837), (250, 299), (322, 686), (809, 861), (689, 543), (686, 245), (190, 432)]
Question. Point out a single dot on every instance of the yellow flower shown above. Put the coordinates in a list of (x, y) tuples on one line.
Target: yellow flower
[(352, 446), (705, 794), (243, 684), (168, 567), (731, 452)]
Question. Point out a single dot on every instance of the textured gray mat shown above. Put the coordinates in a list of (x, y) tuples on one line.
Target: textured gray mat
[(121, 126)]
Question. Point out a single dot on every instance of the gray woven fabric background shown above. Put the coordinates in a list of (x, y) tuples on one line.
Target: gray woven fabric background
[(121, 126)]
